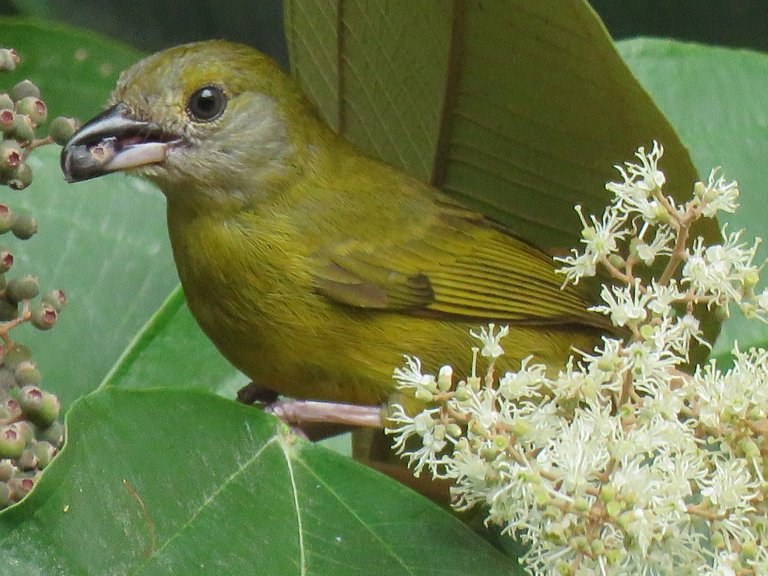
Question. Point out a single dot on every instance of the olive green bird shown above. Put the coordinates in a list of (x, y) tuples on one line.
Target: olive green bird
[(312, 267)]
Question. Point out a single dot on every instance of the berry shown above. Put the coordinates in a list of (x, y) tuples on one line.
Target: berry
[(24, 225), (8, 310), (61, 129), (27, 374), (23, 89), (6, 219), (21, 486), (11, 441), (6, 103), (34, 108), (6, 261), (43, 316), (7, 118), (10, 156), (16, 354), (55, 298), (24, 288), (20, 178), (39, 406), (27, 460), (23, 128), (9, 58), (54, 434), (45, 452), (6, 470)]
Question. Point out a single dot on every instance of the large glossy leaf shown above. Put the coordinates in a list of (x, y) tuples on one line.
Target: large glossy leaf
[(718, 100), (181, 482), (518, 108)]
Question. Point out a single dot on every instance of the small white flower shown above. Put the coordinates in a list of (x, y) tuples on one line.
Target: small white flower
[(718, 195), (626, 305), (490, 340)]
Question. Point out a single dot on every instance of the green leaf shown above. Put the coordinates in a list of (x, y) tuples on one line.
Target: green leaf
[(717, 100), (180, 482), (520, 109)]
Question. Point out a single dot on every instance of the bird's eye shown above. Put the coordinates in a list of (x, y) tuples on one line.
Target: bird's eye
[(206, 104)]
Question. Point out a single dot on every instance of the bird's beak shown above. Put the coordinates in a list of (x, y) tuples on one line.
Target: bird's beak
[(114, 141)]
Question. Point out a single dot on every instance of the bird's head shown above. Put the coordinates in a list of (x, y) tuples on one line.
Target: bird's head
[(210, 118)]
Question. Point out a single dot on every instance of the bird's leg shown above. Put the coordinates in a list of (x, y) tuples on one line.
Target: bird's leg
[(301, 413)]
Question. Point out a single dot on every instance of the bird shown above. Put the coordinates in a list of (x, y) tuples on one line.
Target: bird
[(310, 265)]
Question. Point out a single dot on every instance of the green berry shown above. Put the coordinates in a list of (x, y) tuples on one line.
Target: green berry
[(43, 316), (27, 374), (6, 498), (6, 470), (24, 288), (11, 441), (26, 430), (40, 406), (6, 219), (45, 451), (55, 298), (27, 460), (7, 381), (6, 261), (6, 102), (10, 156), (12, 407), (9, 58), (21, 486), (16, 354), (34, 108), (54, 434), (61, 129), (7, 119), (23, 128), (8, 310), (23, 89), (21, 177), (24, 225)]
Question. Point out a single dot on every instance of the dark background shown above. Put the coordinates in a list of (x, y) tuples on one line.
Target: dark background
[(153, 24)]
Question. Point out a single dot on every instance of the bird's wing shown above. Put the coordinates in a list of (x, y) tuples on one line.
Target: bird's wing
[(458, 265)]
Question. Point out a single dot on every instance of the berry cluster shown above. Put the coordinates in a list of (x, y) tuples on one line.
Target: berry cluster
[(30, 431), (21, 112)]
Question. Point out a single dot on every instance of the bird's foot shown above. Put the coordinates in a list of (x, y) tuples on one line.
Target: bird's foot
[(253, 393)]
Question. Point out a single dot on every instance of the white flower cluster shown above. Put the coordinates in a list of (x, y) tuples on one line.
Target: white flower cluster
[(622, 463)]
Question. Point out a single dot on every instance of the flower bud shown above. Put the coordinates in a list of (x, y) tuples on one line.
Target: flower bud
[(24, 288), (43, 316), (23, 89), (61, 129), (34, 108), (24, 225)]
